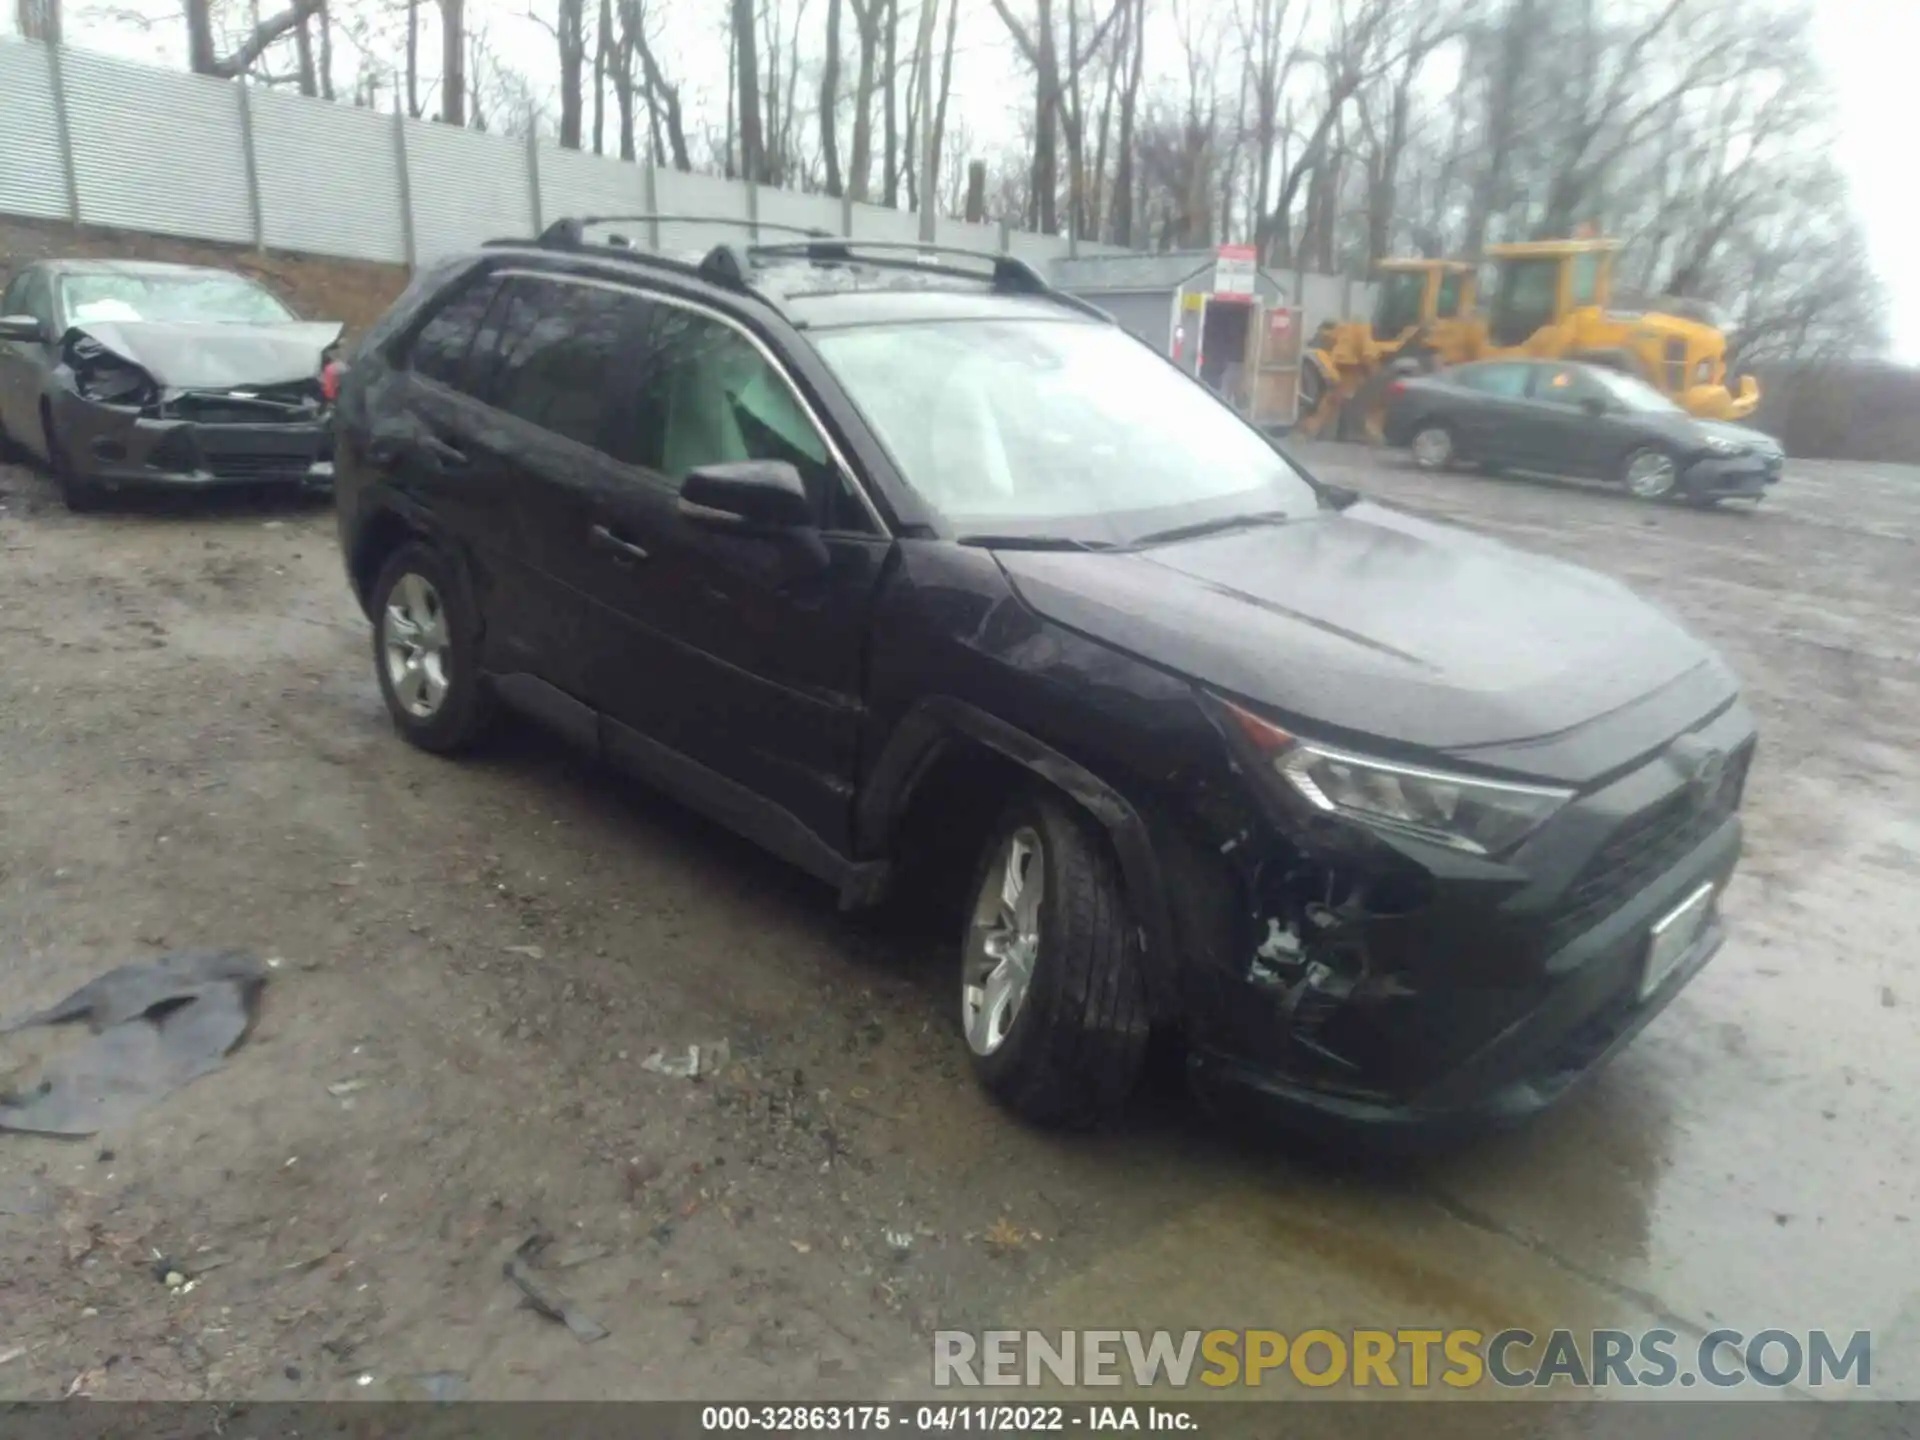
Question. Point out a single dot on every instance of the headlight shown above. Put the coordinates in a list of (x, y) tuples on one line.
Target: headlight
[(1721, 445), (1465, 812)]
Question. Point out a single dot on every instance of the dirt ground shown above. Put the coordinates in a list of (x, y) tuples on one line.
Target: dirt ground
[(472, 962)]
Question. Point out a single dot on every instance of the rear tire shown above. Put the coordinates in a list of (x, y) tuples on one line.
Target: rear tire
[(1053, 1005), (1432, 444), (426, 652)]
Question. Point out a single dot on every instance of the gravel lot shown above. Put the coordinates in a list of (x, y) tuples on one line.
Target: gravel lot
[(479, 957)]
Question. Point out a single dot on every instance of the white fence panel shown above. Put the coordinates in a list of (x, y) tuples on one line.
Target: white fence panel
[(329, 178), (467, 187), (31, 180), (1036, 250), (876, 222), (966, 236), (573, 182), (679, 193), (156, 151), (789, 207)]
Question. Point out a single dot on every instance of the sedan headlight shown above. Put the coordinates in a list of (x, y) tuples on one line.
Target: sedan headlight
[(1464, 812), (1721, 445)]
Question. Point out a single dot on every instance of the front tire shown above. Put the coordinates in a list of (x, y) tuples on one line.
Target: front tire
[(1650, 473), (1052, 1002), (81, 497), (426, 652), (1432, 445)]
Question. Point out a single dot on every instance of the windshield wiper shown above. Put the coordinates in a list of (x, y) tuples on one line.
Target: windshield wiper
[(1033, 542), (1214, 526)]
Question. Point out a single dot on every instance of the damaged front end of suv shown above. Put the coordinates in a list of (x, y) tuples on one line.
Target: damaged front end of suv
[(150, 405), (1423, 952)]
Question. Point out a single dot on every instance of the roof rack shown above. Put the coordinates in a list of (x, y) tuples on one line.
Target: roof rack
[(1008, 274), (569, 232), (732, 264)]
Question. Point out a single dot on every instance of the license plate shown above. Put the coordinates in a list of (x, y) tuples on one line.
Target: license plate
[(1673, 936)]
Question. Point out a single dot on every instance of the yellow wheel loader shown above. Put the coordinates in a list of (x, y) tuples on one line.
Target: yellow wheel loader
[(1549, 299), (1422, 319), (1553, 300)]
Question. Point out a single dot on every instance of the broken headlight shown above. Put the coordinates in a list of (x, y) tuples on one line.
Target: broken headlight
[(1465, 812), (102, 376), (1484, 816)]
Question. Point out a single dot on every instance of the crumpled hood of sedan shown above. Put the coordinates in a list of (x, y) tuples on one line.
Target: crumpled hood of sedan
[(1374, 622), (217, 357)]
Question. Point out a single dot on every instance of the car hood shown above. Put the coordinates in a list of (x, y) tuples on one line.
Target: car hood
[(217, 357), (1377, 624)]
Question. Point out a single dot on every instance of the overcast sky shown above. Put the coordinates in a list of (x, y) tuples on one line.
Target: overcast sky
[(1869, 48)]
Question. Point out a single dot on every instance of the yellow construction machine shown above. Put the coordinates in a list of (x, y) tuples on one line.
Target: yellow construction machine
[(1422, 318), (1550, 300)]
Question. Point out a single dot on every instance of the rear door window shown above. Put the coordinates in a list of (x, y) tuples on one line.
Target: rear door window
[(1563, 385), (1508, 382), (556, 353), (440, 350)]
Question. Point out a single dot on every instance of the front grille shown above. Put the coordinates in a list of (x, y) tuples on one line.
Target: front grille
[(292, 404), (256, 467), (1646, 846)]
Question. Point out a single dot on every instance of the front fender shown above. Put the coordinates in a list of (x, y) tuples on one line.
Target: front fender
[(937, 722)]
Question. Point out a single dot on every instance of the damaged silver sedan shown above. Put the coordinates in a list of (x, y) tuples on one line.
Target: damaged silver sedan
[(126, 375)]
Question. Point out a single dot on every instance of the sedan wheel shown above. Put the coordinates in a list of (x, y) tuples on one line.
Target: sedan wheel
[(1433, 447), (413, 634), (1003, 942), (1651, 474)]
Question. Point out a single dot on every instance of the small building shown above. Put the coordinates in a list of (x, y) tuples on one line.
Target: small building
[(1218, 315)]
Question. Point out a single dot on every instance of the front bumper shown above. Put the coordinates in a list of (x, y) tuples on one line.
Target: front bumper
[(1502, 998), (121, 449), (1732, 476)]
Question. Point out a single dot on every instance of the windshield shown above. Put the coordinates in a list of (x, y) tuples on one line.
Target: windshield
[(206, 298), (1634, 394), (1031, 427)]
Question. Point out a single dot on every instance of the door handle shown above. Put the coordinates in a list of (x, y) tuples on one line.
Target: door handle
[(601, 538)]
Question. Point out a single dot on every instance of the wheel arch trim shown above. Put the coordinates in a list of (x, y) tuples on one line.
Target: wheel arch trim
[(933, 725)]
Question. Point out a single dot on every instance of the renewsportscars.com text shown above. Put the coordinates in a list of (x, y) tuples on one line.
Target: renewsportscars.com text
[(1409, 1358)]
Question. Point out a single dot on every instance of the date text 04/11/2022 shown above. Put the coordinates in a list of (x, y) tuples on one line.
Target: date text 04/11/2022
[(939, 1419)]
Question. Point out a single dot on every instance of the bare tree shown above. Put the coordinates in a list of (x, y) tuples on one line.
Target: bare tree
[(203, 55), (453, 62), (830, 101), (746, 87), (571, 41), (38, 20)]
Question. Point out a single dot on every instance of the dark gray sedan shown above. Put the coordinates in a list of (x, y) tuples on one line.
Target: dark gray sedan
[(123, 375), (1582, 421)]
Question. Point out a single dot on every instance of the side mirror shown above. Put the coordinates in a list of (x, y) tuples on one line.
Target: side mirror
[(23, 328), (747, 495), (1594, 405)]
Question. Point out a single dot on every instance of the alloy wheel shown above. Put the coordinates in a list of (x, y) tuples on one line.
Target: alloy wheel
[(1651, 475), (414, 639), (1003, 942), (1433, 448)]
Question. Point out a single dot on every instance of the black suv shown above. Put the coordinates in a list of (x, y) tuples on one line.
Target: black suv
[(888, 557)]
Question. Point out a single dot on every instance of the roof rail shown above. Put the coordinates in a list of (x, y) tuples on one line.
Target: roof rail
[(1008, 274), (569, 232)]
